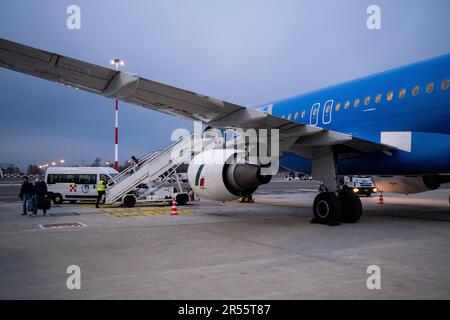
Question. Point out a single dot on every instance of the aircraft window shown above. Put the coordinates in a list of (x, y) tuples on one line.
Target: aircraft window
[(402, 93), (347, 105), (444, 85), (289, 116), (338, 106), (315, 112), (303, 114), (296, 116), (327, 109), (415, 91), (356, 104), (430, 87), (390, 96), (367, 101), (378, 98)]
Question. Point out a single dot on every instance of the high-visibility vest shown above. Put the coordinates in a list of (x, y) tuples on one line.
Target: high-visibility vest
[(101, 186)]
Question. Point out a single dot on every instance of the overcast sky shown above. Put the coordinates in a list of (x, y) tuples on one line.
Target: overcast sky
[(243, 51)]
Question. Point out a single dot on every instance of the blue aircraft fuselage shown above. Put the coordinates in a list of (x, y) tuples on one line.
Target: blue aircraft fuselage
[(414, 98)]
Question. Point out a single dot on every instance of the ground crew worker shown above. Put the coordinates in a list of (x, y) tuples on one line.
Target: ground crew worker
[(101, 188)]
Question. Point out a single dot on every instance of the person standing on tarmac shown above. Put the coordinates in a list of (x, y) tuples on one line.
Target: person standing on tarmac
[(101, 189), (26, 192), (39, 195)]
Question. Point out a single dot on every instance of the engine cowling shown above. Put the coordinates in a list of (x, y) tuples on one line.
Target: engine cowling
[(408, 185), (213, 175)]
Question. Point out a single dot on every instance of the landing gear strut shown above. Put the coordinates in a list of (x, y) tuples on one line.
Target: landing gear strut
[(332, 206)]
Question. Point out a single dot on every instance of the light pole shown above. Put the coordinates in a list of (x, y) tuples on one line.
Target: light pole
[(117, 63)]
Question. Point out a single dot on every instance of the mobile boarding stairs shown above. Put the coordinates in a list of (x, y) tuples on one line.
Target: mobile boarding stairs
[(154, 169)]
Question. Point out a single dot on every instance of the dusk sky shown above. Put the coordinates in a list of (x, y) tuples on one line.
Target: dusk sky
[(244, 51)]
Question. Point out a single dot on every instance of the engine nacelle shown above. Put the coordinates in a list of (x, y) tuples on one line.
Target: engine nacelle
[(214, 175), (407, 185)]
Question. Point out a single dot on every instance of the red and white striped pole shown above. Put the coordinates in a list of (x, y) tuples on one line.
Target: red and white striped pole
[(117, 63), (116, 138)]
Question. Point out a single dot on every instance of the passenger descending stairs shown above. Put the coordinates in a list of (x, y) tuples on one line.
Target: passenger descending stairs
[(156, 167)]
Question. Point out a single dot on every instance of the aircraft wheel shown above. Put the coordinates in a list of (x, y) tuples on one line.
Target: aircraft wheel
[(327, 208), (351, 207)]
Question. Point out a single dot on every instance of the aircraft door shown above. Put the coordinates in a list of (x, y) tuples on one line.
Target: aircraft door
[(327, 110)]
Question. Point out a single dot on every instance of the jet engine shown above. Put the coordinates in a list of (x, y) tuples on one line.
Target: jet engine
[(409, 184), (217, 174)]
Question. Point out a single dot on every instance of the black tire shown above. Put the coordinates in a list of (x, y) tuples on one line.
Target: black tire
[(182, 199), (73, 201), (351, 207), (327, 208), (129, 201), (57, 198)]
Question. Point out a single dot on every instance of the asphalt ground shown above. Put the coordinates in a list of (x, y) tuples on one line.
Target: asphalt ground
[(211, 250)]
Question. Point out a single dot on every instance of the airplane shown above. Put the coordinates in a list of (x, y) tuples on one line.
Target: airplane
[(393, 126)]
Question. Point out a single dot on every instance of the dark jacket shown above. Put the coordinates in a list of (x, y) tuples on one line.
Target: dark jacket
[(40, 188), (27, 188)]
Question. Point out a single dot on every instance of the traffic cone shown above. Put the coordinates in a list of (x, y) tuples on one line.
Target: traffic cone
[(380, 198), (174, 208)]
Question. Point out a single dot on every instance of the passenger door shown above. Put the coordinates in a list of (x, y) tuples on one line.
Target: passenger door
[(327, 111)]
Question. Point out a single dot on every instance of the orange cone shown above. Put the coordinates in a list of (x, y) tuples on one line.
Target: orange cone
[(174, 208), (380, 198)]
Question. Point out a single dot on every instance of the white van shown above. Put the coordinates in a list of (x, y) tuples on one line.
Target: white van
[(75, 183)]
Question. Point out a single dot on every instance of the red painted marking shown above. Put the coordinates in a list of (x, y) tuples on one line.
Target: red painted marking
[(202, 183), (66, 225)]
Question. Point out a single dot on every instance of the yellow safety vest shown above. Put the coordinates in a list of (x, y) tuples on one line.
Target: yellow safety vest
[(101, 186)]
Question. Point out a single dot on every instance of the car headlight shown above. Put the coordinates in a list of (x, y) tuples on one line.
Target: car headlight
[(375, 190), (355, 190)]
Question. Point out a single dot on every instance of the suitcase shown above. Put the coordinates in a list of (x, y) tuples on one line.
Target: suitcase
[(44, 204)]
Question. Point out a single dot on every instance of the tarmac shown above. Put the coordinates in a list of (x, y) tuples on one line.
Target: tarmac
[(211, 250)]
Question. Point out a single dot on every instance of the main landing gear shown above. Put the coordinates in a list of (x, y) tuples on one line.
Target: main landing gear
[(332, 209), (333, 205)]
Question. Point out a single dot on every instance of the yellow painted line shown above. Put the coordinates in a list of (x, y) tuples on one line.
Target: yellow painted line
[(141, 213)]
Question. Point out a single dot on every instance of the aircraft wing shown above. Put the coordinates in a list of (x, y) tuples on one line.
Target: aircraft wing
[(160, 97)]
